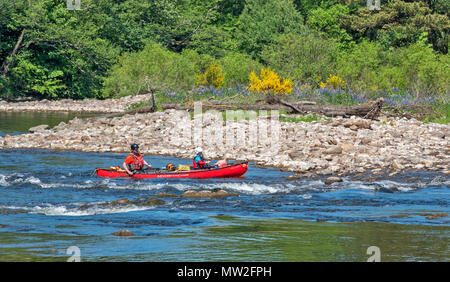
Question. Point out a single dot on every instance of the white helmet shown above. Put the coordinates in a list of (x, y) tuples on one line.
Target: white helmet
[(198, 150)]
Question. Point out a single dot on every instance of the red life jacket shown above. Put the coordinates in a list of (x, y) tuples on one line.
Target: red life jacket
[(138, 162)]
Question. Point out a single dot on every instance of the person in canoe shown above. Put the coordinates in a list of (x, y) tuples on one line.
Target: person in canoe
[(199, 162), (134, 161)]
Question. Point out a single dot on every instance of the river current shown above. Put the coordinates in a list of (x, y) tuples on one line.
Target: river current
[(50, 201)]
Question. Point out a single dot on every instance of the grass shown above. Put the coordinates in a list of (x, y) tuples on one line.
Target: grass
[(305, 118), (139, 105), (437, 114)]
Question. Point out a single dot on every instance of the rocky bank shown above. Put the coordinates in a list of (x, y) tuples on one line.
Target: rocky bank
[(338, 147), (67, 105)]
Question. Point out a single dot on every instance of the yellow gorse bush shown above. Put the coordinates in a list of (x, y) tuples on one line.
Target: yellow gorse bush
[(269, 81), (333, 82), (213, 76)]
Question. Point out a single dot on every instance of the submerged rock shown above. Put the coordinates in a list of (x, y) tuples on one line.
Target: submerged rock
[(123, 233), (435, 215), (207, 194), (118, 202), (152, 202), (332, 179), (165, 195), (399, 216)]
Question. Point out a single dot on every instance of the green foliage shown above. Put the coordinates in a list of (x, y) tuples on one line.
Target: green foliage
[(130, 24), (399, 24), (41, 80), (359, 67), (162, 69), (60, 54), (263, 20), (118, 48), (304, 56), (304, 118), (417, 68), (439, 114), (212, 40), (236, 67), (326, 21), (139, 105)]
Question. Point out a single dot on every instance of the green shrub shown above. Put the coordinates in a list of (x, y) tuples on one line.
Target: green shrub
[(163, 69), (303, 56), (237, 67)]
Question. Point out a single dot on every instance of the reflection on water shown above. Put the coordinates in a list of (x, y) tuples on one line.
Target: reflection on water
[(18, 122), (242, 239)]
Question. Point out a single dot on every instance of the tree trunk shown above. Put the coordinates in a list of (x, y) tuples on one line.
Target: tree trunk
[(10, 58)]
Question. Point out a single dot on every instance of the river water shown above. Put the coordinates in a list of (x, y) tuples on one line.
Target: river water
[(49, 201)]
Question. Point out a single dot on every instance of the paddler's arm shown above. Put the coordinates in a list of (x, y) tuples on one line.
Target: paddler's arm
[(149, 165), (125, 166)]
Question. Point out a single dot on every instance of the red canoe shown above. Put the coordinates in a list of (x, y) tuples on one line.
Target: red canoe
[(234, 170)]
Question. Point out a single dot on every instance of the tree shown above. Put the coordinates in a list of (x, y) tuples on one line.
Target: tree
[(263, 20), (399, 24), (326, 21), (302, 56)]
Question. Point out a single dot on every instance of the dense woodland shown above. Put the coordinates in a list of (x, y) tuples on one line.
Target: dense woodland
[(116, 48)]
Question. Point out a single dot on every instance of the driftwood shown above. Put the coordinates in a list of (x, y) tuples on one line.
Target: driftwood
[(369, 110)]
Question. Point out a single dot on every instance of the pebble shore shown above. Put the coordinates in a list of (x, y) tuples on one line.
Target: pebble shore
[(118, 105), (339, 146)]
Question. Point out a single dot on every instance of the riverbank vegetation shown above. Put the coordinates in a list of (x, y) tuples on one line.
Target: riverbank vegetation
[(330, 51)]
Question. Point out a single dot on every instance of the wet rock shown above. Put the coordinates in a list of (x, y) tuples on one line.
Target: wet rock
[(165, 195), (332, 179), (294, 176), (432, 216), (152, 202), (384, 190), (207, 194), (38, 128), (399, 216), (123, 233), (118, 202)]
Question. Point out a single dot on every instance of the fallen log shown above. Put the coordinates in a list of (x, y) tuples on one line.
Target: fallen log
[(369, 110)]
